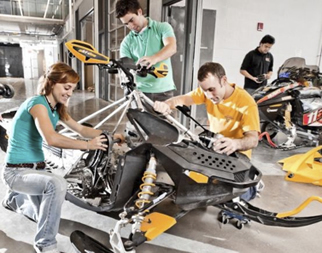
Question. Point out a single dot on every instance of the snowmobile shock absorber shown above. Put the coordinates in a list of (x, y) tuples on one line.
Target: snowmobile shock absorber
[(148, 179)]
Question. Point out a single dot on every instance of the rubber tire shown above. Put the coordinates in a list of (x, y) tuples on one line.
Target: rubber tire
[(3, 139), (224, 219), (239, 224)]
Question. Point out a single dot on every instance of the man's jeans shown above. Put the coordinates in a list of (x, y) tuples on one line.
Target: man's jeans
[(39, 195)]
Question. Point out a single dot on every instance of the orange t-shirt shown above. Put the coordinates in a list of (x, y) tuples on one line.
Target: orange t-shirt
[(231, 117)]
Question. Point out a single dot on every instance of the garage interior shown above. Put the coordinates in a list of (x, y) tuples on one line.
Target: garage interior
[(33, 36)]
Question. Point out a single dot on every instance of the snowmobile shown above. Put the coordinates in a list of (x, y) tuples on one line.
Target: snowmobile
[(292, 105), (6, 91), (172, 165)]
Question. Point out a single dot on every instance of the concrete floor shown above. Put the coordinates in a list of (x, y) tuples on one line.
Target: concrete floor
[(199, 231)]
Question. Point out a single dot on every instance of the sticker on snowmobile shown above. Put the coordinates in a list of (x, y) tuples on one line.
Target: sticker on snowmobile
[(277, 92), (312, 117)]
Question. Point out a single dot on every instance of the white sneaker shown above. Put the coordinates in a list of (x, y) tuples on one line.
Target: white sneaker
[(47, 251), (260, 186), (52, 251)]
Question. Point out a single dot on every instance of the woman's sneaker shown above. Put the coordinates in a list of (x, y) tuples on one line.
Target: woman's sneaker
[(6, 206), (259, 187), (47, 251)]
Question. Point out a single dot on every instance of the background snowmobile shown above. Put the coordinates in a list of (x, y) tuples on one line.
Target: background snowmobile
[(6, 91), (172, 166), (292, 105)]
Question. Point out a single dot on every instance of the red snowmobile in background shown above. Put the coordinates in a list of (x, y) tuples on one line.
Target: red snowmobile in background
[(292, 105)]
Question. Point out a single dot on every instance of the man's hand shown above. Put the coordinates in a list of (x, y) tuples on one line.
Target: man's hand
[(225, 145), (147, 61), (256, 80), (162, 107)]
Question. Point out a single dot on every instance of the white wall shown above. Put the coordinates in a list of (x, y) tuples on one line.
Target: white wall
[(295, 24)]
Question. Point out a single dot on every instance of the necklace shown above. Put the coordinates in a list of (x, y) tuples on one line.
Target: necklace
[(53, 109)]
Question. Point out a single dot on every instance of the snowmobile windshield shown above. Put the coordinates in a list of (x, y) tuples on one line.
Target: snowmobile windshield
[(294, 64)]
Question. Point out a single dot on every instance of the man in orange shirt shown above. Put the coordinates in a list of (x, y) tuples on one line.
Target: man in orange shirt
[(231, 111)]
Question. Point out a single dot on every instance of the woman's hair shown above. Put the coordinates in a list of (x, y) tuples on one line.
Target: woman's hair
[(211, 68), (57, 73), (123, 7)]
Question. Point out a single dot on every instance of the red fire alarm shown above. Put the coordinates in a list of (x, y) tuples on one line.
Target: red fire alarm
[(260, 26)]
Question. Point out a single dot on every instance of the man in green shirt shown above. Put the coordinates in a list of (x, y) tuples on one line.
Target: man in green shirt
[(149, 43)]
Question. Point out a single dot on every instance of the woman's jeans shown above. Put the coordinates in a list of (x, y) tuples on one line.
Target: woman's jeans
[(39, 195)]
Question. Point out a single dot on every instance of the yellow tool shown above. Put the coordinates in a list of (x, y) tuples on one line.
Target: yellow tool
[(304, 168)]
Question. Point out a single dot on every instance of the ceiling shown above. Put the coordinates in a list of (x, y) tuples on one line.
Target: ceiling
[(32, 19)]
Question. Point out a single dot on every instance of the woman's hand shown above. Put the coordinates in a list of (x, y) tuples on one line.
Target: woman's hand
[(98, 142)]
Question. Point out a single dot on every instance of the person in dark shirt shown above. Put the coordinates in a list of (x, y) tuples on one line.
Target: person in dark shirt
[(257, 66)]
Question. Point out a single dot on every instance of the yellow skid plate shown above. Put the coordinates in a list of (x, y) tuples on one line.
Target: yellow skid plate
[(304, 168), (155, 224)]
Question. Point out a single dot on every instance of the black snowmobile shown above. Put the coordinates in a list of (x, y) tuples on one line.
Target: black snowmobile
[(292, 105)]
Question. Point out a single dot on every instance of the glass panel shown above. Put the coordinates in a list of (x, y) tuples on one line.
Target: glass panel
[(112, 78), (112, 5), (117, 80), (101, 16), (112, 40), (65, 8), (120, 93), (113, 54), (113, 22), (120, 36), (112, 92), (119, 23), (117, 54), (102, 42), (35, 8)]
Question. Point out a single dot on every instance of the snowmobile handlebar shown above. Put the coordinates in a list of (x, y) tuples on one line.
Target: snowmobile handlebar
[(86, 53)]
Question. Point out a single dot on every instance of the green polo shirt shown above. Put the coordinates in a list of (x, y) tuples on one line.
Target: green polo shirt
[(147, 43)]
